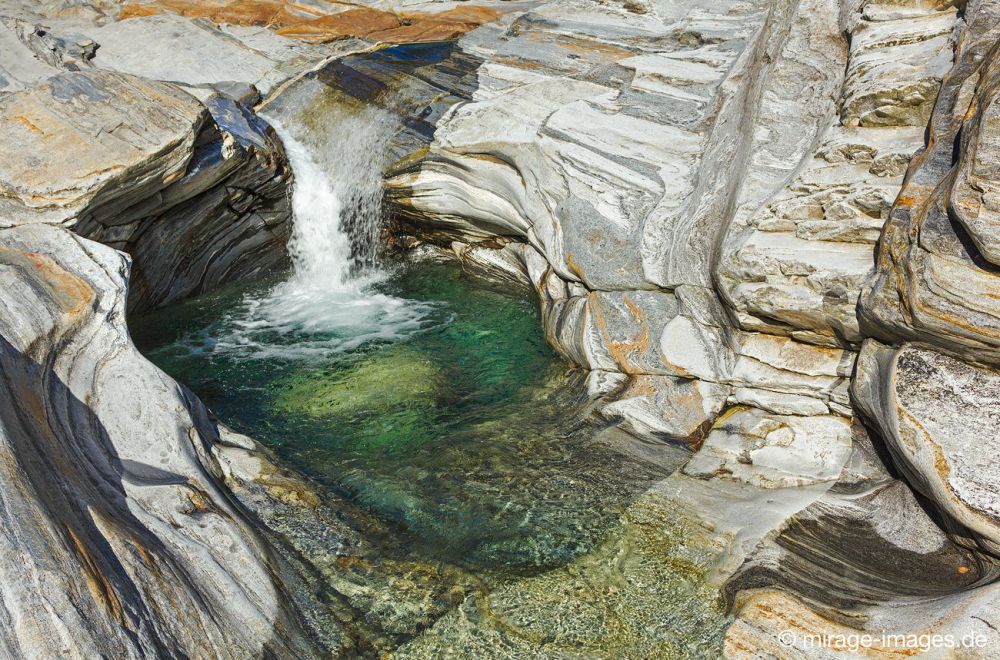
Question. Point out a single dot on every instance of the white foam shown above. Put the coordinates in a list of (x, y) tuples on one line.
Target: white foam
[(329, 303)]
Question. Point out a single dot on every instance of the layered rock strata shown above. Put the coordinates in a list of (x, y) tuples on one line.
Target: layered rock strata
[(698, 207), (717, 210), (118, 538), (196, 191), (135, 524), (928, 378)]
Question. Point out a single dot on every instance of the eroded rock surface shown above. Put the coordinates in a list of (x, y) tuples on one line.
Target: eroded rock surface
[(119, 538), (699, 207), (717, 204), (928, 384)]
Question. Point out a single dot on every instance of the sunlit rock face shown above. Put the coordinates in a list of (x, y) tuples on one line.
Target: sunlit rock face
[(699, 206), (928, 384), (936, 269), (323, 22), (195, 191), (614, 161), (749, 221), (134, 124)]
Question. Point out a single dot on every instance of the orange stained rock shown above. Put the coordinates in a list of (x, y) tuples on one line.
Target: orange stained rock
[(100, 587), (351, 23), (191, 8), (250, 12), (68, 291), (297, 21)]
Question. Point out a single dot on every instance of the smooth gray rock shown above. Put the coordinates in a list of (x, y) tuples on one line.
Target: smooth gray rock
[(92, 139), (865, 556), (120, 539), (939, 417)]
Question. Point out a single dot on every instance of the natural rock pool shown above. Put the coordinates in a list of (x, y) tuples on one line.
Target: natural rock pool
[(459, 424), (470, 438)]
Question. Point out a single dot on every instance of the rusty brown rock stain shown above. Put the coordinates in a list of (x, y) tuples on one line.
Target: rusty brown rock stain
[(68, 291), (285, 486), (27, 123), (353, 22), (310, 24), (71, 293), (530, 65), (622, 350), (144, 554), (588, 47), (200, 501), (573, 266), (99, 586)]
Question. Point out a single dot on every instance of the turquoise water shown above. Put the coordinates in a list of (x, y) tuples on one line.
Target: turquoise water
[(510, 521), (457, 423)]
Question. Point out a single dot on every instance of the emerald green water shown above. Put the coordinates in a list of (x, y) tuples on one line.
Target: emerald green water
[(500, 516), (458, 424)]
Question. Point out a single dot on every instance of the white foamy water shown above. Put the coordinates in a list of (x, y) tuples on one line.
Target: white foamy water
[(329, 303)]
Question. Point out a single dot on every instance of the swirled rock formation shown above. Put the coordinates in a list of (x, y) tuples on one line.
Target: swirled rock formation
[(195, 192), (698, 205), (766, 228), (118, 536), (928, 379)]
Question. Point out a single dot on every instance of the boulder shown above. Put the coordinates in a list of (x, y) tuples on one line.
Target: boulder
[(121, 539), (939, 417), (228, 217)]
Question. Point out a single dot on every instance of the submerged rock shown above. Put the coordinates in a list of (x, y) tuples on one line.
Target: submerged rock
[(412, 376)]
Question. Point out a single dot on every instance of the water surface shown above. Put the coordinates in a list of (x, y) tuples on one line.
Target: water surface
[(432, 401)]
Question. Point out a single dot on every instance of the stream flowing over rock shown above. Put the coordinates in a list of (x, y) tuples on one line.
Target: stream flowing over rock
[(766, 229), (113, 544)]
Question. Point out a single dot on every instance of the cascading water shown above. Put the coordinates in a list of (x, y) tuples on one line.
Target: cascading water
[(469, 441), (330, 302)]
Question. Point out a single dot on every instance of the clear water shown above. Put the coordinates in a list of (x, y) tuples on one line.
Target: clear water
[(433, 402), (430, 401), (468, 433)]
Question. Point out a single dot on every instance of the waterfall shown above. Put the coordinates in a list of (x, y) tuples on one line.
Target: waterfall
[(330, 303), (320, 248), (337, 198)]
